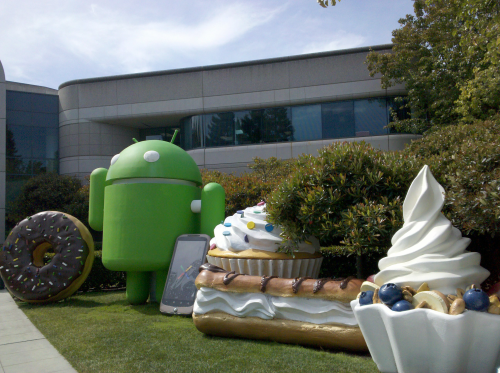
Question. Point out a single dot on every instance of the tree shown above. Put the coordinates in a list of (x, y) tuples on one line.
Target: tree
[(447, 57), (324, 3), (50, 191)]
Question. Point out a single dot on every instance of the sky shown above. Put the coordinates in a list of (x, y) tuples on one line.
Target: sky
[(49, 42)]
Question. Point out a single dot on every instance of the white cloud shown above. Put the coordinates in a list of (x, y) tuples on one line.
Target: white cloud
[(116, 40), (335, 41)]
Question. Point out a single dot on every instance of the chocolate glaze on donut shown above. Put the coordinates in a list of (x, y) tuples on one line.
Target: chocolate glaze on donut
[(21, 266)]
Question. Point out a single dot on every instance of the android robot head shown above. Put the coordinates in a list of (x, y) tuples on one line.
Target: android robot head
[(143, 203)]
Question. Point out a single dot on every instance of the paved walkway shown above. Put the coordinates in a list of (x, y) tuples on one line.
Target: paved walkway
[(23, 349)]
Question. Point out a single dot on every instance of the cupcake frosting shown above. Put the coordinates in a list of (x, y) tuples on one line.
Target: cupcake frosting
[(428, 248), (248, 229)]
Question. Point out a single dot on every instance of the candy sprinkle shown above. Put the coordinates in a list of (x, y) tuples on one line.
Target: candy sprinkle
[(64, 264), (269, 227), (213, 246), (250, 225), (246, 238), (261, 203), (227, 224), (226, 233)]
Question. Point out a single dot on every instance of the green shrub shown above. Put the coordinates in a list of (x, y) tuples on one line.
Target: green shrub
[(346, 178), (44, 192), (272, 169), (241, 191), (465, 159), (338, 261)]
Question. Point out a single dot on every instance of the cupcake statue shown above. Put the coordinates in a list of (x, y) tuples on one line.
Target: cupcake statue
[(248, 244), (426, 311)]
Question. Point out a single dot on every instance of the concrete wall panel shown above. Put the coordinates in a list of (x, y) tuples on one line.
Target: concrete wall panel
[(68, 98), (159, 88), (327, 70), (198, 155), (284, 150), (68, 115), (97, 94), (243, 79)]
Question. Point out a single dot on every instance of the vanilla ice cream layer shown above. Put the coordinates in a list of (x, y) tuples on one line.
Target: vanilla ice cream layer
[(264, 306), (248, 231)]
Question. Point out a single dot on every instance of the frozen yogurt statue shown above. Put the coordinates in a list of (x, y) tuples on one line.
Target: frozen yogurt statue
[(428, 248)]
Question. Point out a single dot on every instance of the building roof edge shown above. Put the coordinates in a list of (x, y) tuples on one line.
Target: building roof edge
[(227, 65)]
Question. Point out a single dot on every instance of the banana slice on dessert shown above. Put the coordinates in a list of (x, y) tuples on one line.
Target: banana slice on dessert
[(367, 285), (435, 300)]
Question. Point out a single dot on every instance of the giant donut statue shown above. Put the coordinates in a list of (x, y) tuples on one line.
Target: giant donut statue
[(21, 259)]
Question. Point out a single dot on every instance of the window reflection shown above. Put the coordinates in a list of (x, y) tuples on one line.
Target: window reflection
[(32, 138), (219, 129), (338, 119), (306, 122), (248, 127), (277, 125), (370, 117), (365, 117)]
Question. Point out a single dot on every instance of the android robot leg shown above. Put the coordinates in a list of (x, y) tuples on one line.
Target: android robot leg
[(138, 284)]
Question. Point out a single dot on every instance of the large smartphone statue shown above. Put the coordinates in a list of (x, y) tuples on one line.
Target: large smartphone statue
[(180, 291)]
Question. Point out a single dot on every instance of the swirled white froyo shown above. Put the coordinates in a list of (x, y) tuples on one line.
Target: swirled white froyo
[(428, 248), (248, 229)]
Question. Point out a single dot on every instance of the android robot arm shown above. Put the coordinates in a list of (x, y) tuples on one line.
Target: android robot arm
[(96, 198), (212, 208)]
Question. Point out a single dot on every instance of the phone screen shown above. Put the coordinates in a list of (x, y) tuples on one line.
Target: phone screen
[(189, 255)]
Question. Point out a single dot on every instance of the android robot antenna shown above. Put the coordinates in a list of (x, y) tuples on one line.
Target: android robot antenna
[(174, 136)]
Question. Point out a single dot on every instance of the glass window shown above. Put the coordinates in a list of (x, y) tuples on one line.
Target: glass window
[(19, 118), (306, 122), (45, 103), (19, 140), (46, 144), (219, 129), (18, 166), (21, 101), (370, 117), (248, 127), (40, 166), (337, 119), (45, 120), (277, 125), (192, 132)]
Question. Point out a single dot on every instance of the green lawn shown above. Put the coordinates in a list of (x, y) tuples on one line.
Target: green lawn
[(100, 332)]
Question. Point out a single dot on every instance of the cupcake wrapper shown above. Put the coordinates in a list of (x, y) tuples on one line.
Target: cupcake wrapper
[(288, 268), (424, 340)]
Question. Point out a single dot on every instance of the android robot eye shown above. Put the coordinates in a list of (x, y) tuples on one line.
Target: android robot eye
[(114, 159), (151, 156)]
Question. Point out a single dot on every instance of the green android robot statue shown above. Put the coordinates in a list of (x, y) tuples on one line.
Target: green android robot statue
[(150, 195)]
